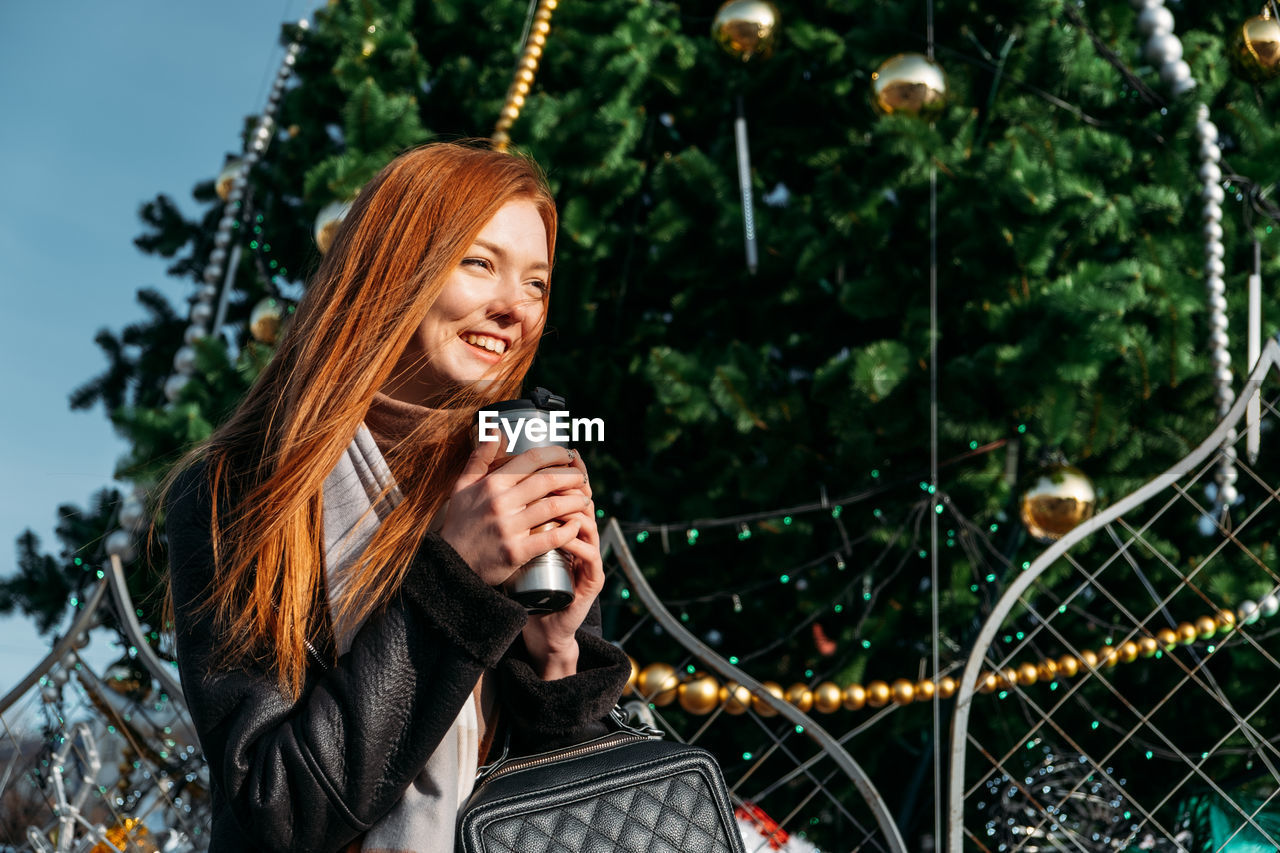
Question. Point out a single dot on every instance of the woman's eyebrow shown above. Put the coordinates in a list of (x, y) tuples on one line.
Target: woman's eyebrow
[(502, 254)]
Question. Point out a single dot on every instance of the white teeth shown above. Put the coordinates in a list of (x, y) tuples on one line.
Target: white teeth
[(486, 342)]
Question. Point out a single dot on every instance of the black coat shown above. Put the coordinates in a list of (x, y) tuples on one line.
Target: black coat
[(314, 774)]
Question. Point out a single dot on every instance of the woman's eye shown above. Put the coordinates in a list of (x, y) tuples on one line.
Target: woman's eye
[(483, 263), (541, 285)]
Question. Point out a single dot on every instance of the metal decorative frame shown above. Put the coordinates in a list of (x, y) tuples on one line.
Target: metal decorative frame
[(1132, 542)]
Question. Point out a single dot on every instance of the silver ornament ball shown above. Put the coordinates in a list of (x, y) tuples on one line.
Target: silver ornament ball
[(1226, 475), (1155, 20), (1215, 267), (1212, 231), (201, 313), (1163, 49), (1228, 494), (1207, 132), (1181, 86), (1210, 173), (1247, 613), (120, 543), (1210, 151), (1217, 339), (132, 514), (1213, 248), (1269, 606), (173, 386), (1217, 302), (193, 334), (184, 360), (1217, 322), (1211, 212), (1212, 193), (213, 273), (1220, 358), (206, 293)]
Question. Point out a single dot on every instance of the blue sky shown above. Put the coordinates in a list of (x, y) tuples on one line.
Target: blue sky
[(103, 106)]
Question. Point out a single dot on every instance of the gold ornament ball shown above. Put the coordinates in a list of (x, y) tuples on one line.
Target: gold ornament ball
[(1008, 677), (925, 690), (911, 84), (879, 694), (328, 221), (222, 184), (635, 673), (658, 683), (826, 698), (1089, 658), (763, 708), (265, 320), (1027, 674), (1056, 501), (128, 677), (746, 29), (947, 687), (902, 692), (699, 695), (1226, 619), (1256, 53), (1047, 670), (1110, 656), (1206, 627), (735, 697), (855, 697), (1187, 633), (988, 682), (1129, 651), (801, 696), (1068, 666), (1148, 646), (1167, 637)]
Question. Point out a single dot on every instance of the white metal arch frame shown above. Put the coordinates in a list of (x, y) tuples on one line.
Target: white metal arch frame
[(1269, 360)]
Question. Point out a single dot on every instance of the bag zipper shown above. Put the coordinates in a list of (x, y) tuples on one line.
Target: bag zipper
[(606, 742)]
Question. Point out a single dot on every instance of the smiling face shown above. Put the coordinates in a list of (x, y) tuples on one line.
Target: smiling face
[(493, 304)]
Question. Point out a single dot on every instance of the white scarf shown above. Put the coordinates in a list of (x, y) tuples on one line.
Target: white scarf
[(358, 494)]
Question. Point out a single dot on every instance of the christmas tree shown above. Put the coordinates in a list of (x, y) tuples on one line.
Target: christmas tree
[(1053, 195)]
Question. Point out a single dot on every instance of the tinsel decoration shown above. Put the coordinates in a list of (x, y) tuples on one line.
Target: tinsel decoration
[(1212, 195), (526, 70), (1163, 49)]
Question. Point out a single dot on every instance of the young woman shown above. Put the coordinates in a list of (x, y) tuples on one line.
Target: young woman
[(336, 545)]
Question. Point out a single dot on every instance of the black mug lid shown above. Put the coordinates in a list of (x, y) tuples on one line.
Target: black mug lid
[(540, 399)]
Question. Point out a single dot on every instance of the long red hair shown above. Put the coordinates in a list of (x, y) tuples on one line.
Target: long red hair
[(406, 232)]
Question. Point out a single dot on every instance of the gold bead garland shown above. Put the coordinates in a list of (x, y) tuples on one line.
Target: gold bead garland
[(526, 69), (701, 693)]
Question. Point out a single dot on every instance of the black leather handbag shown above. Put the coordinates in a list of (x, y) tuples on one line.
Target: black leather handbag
[(628, 791)]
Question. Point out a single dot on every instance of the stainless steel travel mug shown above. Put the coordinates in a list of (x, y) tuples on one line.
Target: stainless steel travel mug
[(545, 583)]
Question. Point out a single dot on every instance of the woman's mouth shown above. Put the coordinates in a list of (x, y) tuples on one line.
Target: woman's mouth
[(492, 348)]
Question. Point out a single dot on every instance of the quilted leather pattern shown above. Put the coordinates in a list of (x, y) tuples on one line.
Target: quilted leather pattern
[(677, 814)]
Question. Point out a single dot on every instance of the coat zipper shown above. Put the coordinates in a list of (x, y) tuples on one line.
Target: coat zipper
[(315, 655)]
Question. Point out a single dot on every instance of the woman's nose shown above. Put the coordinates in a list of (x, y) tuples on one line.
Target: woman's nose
[(512, 299)]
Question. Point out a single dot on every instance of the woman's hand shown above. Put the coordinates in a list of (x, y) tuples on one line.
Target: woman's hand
[(550, 637), (495, 507)]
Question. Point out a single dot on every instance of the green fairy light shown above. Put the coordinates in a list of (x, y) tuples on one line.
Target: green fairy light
[(993, 527), (836, 510), (100, 574), (1003, 694), (799, 730), (839, 608), (691, 535), (75, 602), (785, 578), (876, 513), (1031, 744), (1022, 428), (786, 519), (973, 587), (1026, 565), (1008, 638), (625, 593), (746, 756), (973, 445), (266, 247), (642, 535), (839, 565), (1053, 685), (733, 659), (1062, 608), (253, 244), (599, 513), (257, 229), (923, 553), (1212, 648), (938, 509), (684, 617), (875, 472), (1094, 724), (259, 218), (1149, 753), (78, 561), (866, 644), (808, 673), (1020, 635), (691, 669)]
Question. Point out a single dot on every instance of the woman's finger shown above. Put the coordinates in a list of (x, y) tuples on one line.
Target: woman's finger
[(477, 465), (554, 508)]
